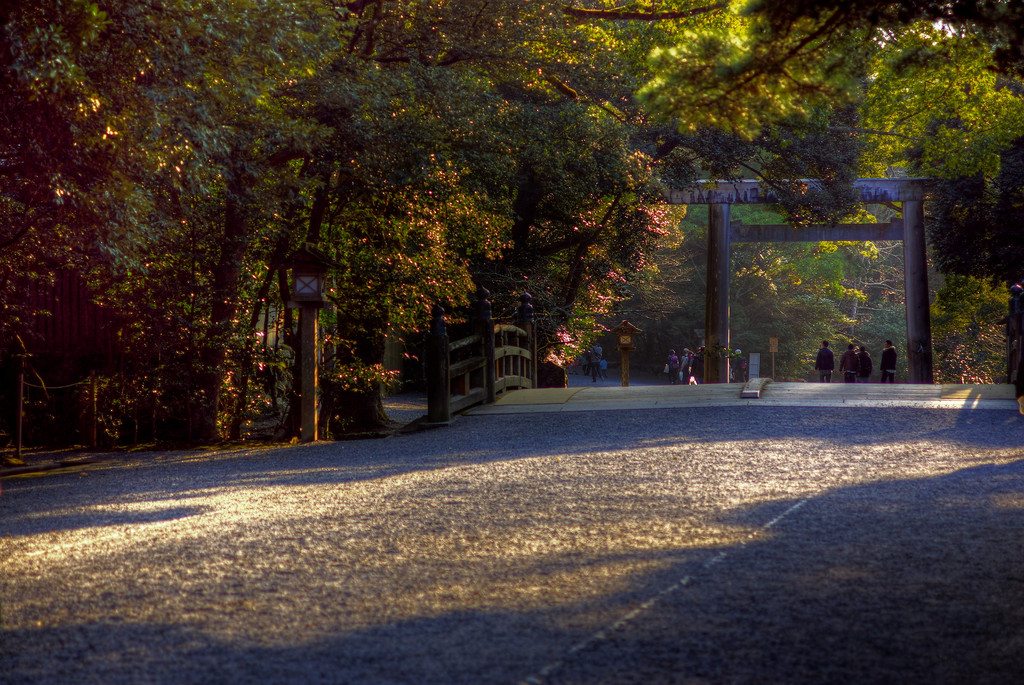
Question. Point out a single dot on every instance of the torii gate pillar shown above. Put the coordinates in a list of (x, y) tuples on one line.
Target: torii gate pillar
[(716, 306), (915, 264)]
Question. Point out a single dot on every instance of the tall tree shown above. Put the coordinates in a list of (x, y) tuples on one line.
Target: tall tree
[(70, 119), (780, 59), (489, 140)]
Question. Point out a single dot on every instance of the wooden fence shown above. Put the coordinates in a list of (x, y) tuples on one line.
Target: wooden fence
[(67, 320), (477, 368)]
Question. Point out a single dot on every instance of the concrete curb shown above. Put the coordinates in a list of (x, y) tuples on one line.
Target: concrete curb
[(9, 471)]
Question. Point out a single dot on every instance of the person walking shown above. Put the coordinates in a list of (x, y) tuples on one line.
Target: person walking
[(672, 366), (697, 367), (863, 365), (739, 369), (849, 364), (888, 364), (685, 364), (595, 362), (825, 364)]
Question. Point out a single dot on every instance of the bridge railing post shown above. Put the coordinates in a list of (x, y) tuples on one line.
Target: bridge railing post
[(525, 317), (485, 324), (437, 365)]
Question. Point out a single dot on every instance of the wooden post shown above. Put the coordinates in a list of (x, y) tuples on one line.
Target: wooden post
[(716, 312), (308, 316), (485, 324), (309, 267), (919, 334), (93, 413), (526, 323), (439, 410), (20, 416)]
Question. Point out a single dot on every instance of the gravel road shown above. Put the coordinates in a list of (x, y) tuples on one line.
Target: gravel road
[(725, 545)]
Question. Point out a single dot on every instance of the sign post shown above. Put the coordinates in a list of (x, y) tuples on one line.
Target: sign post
[(773, 347)]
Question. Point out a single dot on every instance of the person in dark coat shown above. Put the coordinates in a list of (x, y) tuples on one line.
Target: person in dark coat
[(864, 365), (825, 364), (849, 364), (596, 354), (672, 365), (888, 363)]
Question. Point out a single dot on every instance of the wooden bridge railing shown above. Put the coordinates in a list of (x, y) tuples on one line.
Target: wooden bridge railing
[(477, 368)]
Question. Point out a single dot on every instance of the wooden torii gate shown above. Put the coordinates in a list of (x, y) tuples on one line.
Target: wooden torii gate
[(721, 195)]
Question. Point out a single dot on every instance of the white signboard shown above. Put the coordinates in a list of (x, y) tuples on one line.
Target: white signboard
[(755, 365)]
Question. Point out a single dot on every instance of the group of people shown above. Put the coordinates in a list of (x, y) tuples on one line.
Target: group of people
[(687, 367), (594, 363), (855, 363)]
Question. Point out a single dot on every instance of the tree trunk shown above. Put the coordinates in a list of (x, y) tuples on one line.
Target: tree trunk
[(361, 409), (245, 359), (224, 308), (578, 267), (525, 205)]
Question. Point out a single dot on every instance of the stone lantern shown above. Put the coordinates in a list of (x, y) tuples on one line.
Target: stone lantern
[(625, 335)]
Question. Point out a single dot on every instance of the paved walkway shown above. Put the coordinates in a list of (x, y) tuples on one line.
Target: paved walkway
[(759, 392), (691, 545)]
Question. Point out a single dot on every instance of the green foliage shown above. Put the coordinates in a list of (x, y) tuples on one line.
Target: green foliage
[(431, 148), (941, 106), (748, 73), (973, 222), (935, 85), (489, 144), (778, 59), (970, 344)]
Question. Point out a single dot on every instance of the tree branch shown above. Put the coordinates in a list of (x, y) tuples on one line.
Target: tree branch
[(16, 237), (626, 15), (561, 87), (869, 131)]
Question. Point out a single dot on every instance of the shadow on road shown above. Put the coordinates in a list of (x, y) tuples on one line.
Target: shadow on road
[(160, 477), (891, 581), (907, 581)]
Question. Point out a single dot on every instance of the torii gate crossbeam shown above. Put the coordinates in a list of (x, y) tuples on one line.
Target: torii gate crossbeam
[(721, 195)]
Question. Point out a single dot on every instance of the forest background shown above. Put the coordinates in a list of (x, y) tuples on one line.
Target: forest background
[(173, 154)]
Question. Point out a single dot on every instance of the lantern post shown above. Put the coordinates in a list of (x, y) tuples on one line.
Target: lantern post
[(309, 271), (625, 333)]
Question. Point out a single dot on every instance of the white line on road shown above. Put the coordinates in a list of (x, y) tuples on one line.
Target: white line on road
[(542, 675)]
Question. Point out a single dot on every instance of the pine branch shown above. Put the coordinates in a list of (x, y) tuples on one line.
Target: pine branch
[(627, 15)]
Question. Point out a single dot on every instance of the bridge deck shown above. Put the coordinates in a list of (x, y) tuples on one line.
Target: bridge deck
[(607, 398)]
